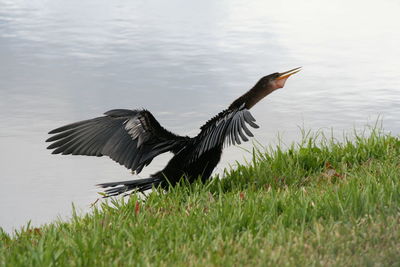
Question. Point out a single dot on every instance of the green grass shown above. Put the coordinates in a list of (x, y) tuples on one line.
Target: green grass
[(319, 203)]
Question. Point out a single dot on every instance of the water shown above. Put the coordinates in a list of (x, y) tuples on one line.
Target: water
[(63, 61)]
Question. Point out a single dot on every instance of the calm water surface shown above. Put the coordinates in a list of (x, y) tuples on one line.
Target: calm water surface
[(63, 61)]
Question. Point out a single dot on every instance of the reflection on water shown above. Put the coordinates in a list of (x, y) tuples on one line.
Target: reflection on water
[(63, 61)]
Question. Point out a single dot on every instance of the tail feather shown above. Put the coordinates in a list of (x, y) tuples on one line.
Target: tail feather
[(139, 185)]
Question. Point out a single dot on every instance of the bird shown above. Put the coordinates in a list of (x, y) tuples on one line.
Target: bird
[(133, 138)]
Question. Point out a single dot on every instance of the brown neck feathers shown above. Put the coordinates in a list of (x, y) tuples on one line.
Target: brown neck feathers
[(251, 97)]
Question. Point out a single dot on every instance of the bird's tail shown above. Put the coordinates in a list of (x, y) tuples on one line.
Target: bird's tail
[(139, 185)]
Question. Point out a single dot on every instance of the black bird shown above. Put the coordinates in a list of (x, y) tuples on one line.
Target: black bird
[(133, 138)]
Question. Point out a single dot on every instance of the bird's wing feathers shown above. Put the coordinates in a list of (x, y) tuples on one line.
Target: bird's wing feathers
[(130, 137), (228, 127)]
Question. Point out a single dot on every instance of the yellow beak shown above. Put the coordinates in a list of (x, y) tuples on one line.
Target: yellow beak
[(286, 74)]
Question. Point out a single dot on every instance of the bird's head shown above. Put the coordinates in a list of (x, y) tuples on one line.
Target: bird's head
[(276, 80), (263, 87)]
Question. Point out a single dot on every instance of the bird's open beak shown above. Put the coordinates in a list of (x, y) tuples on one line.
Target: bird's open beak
[(280, 81), (286, 74)]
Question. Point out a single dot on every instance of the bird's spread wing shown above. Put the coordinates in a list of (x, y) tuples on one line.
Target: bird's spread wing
[(228, 127), (130, 137)]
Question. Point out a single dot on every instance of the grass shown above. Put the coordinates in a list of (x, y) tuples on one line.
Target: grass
[(317, 203)]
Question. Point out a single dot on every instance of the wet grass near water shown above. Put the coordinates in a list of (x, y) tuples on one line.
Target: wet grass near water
[(320, 202)]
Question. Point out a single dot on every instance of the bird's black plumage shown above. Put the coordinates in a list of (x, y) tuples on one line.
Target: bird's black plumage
[(133, 138)]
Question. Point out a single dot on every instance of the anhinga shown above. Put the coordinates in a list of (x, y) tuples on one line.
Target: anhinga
[(133, 138)]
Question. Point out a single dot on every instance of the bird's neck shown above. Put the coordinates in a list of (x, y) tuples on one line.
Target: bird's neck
[(251, 97)]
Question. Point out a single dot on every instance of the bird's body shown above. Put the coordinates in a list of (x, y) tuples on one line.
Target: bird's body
[(133, 138)]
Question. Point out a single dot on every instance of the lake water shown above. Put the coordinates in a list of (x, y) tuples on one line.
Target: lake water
[(63, 61)]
